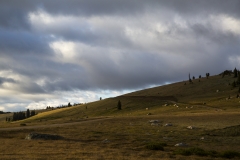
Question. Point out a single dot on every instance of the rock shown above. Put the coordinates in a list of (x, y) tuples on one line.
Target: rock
[(105, 141), (181, 145), (154, 121), (154, 124), (32, 136), (191, 127), (168, 124), (149, 114)]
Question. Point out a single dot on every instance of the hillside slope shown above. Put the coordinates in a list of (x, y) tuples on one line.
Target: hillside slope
[(203, 95)]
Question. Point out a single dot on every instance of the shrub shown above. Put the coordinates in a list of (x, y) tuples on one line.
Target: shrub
[(230, 154), (156, 146)]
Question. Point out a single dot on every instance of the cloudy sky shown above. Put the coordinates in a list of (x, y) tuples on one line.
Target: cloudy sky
[(60, 51)]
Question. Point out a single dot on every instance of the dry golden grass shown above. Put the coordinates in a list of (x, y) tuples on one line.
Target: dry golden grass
[(127, 138)]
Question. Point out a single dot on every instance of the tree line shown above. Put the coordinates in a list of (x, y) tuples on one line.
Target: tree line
[(63, 106), (21, 115)]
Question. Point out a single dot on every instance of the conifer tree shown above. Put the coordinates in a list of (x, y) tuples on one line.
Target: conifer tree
[(238, 77), (33, 113), (28, 113), (235, 73), (207, 75), (119, 105), (14, 116)]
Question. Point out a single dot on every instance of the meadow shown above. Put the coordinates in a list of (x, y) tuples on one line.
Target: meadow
[(98, 130)]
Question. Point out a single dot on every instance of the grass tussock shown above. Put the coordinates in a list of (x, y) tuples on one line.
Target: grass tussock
[(203, 153), (156, 146)]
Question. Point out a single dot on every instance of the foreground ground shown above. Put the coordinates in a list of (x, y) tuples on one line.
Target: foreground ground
[(128, 138)]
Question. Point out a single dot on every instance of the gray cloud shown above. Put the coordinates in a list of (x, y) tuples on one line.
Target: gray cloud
[(2, 80)]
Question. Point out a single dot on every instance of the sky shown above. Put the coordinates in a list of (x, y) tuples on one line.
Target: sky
[(60, 51)]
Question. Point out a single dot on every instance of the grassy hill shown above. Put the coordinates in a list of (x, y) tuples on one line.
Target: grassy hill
[(127, 133), (203, 95)]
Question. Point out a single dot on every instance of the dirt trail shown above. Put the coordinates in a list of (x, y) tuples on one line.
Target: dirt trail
[(52, 125)]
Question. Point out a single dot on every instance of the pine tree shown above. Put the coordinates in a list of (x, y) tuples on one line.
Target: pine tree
[(238, 77), (119, 105), (14, 116), (207, 75), (33, 113), (28, 113), (235, 73)]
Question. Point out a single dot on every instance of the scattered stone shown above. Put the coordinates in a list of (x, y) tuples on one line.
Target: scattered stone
[(146, 109), (38, 136), (168, 124), (202, 138), (105, 141), (154, 121), (149, 114), (181, 145), (191, 127), (175, 105), (217, 90)]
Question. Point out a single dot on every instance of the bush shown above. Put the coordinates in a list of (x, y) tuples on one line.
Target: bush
[(212, 153), (230, 154), (156, 146)]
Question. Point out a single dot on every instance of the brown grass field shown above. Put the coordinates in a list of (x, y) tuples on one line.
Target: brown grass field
[(99, 131)]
